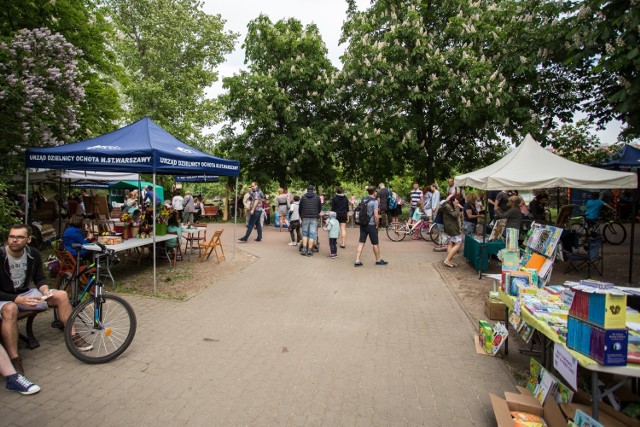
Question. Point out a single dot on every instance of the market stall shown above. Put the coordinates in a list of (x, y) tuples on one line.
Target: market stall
[(141, 147)]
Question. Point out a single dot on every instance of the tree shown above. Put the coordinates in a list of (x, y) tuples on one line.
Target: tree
[(281, 104), (603, 44), (41, 89), (576, 142), (438, 85), (170, 50), (81, 23)]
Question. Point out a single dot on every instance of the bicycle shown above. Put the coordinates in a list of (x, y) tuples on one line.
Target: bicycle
[(397, 230), (611, 230), (107, 322)]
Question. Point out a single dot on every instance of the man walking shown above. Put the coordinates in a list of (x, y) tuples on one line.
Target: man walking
[(254, 213), (310, 208), (189, 209), (370, 229)]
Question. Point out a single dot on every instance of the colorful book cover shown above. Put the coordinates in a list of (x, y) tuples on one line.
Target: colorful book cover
[(536, 261), (535, 369), (510, 260), (512, 239)]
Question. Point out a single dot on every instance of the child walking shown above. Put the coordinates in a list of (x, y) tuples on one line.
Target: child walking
[(333, 228), (294, 222)]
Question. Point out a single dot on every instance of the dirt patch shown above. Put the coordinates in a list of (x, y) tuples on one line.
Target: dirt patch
[(180, 283)]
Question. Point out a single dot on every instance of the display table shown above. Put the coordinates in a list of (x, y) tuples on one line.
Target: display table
[(134, 243), (548, 334), (474, 254)]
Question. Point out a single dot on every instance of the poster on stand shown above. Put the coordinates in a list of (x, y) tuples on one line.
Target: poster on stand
[(566, 365)]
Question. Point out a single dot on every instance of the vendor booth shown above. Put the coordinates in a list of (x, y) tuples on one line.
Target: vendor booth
[(530, 166), (141, 147), (116, 189)]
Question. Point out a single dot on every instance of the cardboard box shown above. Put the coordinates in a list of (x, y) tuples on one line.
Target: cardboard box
[(603, 408), (525, 402), (495, 309)]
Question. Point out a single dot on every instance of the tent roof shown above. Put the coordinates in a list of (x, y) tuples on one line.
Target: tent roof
[(37, 175), (197, 178), (530, 166), (628, 157), (142, 147)]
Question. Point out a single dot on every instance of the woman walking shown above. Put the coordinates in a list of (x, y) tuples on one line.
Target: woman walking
[(283, 205), (451, 211)]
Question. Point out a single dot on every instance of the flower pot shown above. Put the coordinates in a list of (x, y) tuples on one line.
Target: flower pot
[(161, 229)]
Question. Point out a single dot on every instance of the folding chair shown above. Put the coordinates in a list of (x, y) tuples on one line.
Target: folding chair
[(591, 258), (211, 246)]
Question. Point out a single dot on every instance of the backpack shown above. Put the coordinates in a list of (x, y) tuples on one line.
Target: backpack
[(360, 215), (392, 203)]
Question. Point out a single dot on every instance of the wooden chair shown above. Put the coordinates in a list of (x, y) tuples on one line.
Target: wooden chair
[(171, 253), (196, 239), (212, 246)]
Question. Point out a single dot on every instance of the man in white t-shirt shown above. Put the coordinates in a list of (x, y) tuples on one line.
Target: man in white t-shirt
[(178, 204)]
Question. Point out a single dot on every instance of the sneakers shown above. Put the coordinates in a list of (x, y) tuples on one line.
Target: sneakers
[(19, 383), (292, 244), (242, 240), (381, 262), (449, 264), (17, 365), (309, 252), (332, 256), (303, 252), (80, 343)]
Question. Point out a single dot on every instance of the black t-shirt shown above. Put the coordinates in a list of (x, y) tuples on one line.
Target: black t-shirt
[(383, 195), (473, 211)]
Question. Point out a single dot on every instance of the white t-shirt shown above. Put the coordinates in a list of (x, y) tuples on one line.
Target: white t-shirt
[(178, 203), (18, 269)]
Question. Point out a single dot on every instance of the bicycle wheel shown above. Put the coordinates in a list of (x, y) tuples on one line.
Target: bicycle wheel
[(110, 338), (614, 233), (434, 234), (396, 231), (424, 231)]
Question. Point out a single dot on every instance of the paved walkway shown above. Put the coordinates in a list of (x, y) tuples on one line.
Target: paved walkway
[(289, 341)]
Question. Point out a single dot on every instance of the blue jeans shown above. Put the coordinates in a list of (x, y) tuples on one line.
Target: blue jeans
[(254, 221), (310, 228)]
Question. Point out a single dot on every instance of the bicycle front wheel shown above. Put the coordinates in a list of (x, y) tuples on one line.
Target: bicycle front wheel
[(434, 234), (108, 337), (614, 233), (396, 231)]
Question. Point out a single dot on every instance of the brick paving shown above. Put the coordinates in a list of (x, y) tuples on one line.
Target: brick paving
[(288, 341)]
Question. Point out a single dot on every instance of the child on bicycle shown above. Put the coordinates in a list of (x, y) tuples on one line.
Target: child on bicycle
[(417, 215), (333, 228)]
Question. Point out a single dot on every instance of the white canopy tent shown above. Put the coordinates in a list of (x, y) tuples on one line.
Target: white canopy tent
[(37, 175), (530, 166)]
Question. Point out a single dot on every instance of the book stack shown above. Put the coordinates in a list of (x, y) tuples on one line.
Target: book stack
[(597, 323)]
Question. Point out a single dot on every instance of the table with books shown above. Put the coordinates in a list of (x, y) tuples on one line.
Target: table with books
[(585, 322)]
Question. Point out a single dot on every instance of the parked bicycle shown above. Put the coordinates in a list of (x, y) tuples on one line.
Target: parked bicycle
[(108, 322), (397, 230), (611, 230)]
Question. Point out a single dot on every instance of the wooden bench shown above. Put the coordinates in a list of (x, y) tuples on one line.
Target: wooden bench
[(29, 339), (211, 212)]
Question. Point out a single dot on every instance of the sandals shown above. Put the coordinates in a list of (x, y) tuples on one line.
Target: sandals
[(449, 264), (342, 246), (358, 264), (381, 262)]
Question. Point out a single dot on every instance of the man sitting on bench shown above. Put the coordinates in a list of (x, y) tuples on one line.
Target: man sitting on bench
[(23, 287)]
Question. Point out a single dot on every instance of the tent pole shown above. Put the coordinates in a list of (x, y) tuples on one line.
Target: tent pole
[(235, 220), (633, 235), (484, 231), (155, 292), (26, 195)]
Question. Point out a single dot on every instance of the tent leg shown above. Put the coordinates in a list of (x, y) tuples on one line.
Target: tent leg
[(484, 232), (155, 290), (26, 195), (633, 236), (235, 221)]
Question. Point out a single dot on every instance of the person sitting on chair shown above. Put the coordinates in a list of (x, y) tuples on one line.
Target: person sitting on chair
[(24, 287), (73, 234)]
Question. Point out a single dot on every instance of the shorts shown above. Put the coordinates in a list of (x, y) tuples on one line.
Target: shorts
[(342, 217), (371, 231), (30, 293), (455, 239), (310, 228)]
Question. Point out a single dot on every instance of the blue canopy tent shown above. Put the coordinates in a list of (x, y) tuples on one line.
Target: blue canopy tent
[(142, 147), (197, 178), (628, 157)]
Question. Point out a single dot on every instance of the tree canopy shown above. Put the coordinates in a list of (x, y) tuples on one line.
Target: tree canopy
[(281, 104), (170, 50)]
